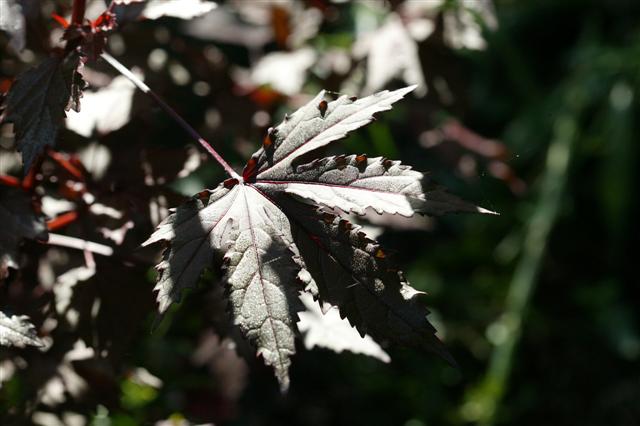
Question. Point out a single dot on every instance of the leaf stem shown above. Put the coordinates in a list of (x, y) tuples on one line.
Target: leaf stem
[(172, 113)]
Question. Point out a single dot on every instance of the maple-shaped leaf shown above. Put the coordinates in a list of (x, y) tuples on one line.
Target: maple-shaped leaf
[(277, 241), (37, 102), (347, 269), (253, 235), (18, 331), (18, 221)]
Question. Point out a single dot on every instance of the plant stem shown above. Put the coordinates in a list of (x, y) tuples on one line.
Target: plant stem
[(79, 244), (77, 16), (176, 117)]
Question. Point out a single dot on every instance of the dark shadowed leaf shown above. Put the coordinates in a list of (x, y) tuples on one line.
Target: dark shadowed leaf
[(37, 102), (18, 221), (348, 270)]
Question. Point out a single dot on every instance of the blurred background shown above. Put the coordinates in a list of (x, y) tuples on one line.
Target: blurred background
[(528, 108)]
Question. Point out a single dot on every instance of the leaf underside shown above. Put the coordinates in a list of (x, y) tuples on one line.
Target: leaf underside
[(277, 238)]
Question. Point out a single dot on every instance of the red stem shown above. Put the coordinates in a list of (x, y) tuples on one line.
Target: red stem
[(77, 16), (176, 117)]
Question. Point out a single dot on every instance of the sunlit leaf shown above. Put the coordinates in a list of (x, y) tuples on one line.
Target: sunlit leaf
[(274, 246)]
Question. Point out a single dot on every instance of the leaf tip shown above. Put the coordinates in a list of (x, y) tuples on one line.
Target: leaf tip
[(486, 211)]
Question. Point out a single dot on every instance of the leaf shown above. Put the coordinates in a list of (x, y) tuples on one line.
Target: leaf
[(183, 9), (19, 221), (260, 276), (284, 71), (349, 270), (355, 183), (37, 102), (325, 329), (253, 234), (315, 125), (13, 22), (104, 111), (277, 242), (127, 10), (391, 39), (18, 331), (195, 229)]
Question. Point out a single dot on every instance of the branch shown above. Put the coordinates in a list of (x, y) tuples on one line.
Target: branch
[(77, 243), (77, 16), (176, 117)]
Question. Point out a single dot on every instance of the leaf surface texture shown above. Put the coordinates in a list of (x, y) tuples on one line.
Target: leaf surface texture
[(278, 238)]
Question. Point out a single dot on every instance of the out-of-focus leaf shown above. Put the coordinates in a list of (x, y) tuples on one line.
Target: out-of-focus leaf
[(183, 9), (391, 40), (12, 21), (104, 111), (154, 9), (37, 102), (18, 221), (253, 24), (328, 330), (66, 383), (18, 331), (284, 72), (228, 369), (463, 23)]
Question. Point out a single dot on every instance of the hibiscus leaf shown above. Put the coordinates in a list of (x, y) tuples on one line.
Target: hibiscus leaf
[(276, 241)]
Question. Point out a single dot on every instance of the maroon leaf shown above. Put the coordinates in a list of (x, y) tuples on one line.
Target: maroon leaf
[(37, 102), (19, 221), (276, 243)]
